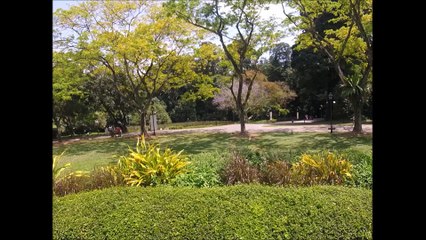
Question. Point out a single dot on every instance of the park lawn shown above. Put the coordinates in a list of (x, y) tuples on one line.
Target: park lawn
[(184, 125), (86, 155)]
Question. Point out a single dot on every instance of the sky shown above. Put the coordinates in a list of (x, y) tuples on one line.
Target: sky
[(62, 4), (274, 10)]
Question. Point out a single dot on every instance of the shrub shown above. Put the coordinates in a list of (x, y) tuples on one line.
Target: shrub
[(259, 156), (252, 154), (148, 166), (240, 170), (276, 173), (104, 177), (203, 171), (321, 168), (72, 183), (99, 178), (362, 168), (235, 212)]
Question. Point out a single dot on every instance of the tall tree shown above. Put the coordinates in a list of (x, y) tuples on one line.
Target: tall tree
[(314, 77), (278, 66), (67, 80), (349, 47), (133, 39), (252, 37)]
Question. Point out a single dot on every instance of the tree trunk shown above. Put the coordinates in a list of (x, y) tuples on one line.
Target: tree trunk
[(58, 126), (124, 128), (144, 131), (242, 121), (357, 108)]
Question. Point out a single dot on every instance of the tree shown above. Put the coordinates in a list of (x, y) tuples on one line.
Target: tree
[(135, 40), (193, 102), (349, 47), (266, 96), (278, 66), (314, 77), (253, 36), (106, 98), (67, 80)]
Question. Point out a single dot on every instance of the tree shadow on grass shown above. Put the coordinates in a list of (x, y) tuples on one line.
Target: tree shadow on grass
[(109, 146), (299, 142), (198, 143), (205, 142)]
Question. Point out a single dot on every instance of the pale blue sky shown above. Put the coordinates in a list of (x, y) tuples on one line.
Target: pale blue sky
[(63, 4), (274, 10)]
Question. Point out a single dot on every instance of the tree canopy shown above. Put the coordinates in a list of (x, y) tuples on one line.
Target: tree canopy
[(144, 51), (348, 46), (243, 35)]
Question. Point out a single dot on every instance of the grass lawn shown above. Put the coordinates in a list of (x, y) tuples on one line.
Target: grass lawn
[(184, 125), (87, 154)]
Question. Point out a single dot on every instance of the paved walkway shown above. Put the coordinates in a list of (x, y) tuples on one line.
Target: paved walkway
[(297, 126), (272, 127)]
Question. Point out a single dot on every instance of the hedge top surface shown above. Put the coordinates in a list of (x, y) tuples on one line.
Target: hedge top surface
[(236, 212)]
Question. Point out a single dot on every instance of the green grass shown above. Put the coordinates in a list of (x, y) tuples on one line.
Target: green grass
[(262, 121), (85, 155), (184, 125)]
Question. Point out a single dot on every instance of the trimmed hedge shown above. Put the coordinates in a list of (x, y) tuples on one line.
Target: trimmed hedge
[(236, 212)]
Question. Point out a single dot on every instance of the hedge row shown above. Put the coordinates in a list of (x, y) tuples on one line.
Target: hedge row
[(235, 212)]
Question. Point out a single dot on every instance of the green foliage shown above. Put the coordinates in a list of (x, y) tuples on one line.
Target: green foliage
[(346, 39), (68, 95), (148, 166), (362, 169), (237, 212), (204, 170), (260, 156), (321, 168), (162, 115), (253, 38), (132, 46)]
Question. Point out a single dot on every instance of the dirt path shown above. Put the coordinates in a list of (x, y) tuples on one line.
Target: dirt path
[(252, 128)]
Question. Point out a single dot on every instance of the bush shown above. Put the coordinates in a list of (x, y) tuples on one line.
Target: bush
[(148, 166), (276, 173), (362, 169), (240, 170), (259, 156), (321, 168), (99, 178), (72, 183), (203, 171), (237, 212)]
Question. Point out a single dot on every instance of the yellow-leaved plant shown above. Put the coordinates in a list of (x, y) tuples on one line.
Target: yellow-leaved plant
[(149, 166), (56, 171), (322, 168)]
